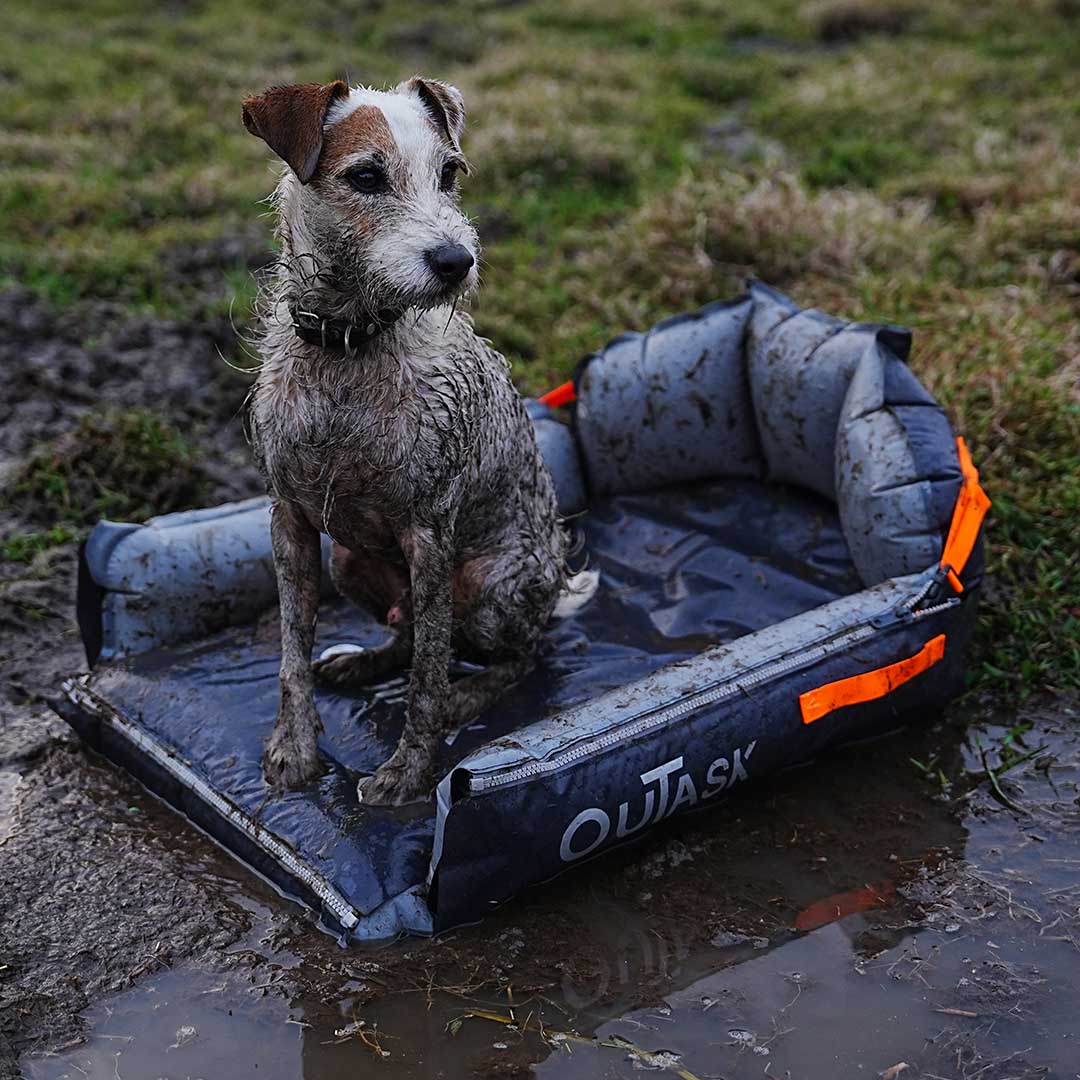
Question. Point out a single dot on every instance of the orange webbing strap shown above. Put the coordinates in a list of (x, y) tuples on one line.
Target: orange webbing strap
[(971, 506), (871, 685), (841, 905), (561, 395)]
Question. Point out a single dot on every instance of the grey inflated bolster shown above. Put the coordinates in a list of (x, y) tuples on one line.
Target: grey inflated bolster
[(669, 406), (558, 448), (800, 365), (897, 471), (180, 576)]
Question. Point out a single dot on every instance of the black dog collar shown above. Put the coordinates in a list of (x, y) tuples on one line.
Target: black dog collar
[(336, 333)]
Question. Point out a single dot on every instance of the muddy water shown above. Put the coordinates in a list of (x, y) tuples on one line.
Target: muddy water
[(862, 915)]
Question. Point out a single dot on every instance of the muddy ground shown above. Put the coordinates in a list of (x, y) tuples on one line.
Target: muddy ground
[(68, 374), (73, 846)]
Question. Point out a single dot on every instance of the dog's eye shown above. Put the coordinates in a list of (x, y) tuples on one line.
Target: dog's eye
[(448, 175), (366, 179)]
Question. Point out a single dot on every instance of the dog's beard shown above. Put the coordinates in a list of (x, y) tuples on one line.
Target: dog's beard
[(340, 283)]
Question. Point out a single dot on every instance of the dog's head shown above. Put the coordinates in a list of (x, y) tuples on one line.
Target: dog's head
[(370, 196)]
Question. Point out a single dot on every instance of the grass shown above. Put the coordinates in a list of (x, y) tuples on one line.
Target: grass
[(22, 547), (126, 465), (910, 163)]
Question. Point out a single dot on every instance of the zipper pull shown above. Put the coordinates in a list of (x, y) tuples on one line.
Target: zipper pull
[(940, 589), (933, 592)]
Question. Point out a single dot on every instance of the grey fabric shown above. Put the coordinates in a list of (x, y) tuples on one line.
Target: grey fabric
[(771, 308), (590, 721), (560, 453), (885, 500), (799, 376), (838, 412), (182, 575), (800, 395), (800, 365), (669, 406)]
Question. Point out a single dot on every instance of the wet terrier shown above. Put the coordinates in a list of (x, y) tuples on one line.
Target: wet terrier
[(380, 418)]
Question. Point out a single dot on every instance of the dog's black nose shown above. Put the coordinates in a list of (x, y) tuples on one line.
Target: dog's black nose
[(451, 262)]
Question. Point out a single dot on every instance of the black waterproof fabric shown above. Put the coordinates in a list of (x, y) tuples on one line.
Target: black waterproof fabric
[(681, 568), (590, 805)]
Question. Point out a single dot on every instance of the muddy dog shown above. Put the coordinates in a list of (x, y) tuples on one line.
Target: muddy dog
[(380, 418)]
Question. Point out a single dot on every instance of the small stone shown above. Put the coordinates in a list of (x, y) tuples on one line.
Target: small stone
[(726, 940), (184, 1034)]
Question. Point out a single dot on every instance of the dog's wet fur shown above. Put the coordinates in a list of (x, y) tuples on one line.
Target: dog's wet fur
[(412, 451)]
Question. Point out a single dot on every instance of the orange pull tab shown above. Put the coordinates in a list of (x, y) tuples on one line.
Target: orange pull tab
[(561, 395), (971, 506), (871, 685)]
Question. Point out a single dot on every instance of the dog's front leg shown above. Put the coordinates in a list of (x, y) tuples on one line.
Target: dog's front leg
[(409, 772), (291, 757)]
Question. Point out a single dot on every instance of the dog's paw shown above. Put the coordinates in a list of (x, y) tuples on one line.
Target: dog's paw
[(343, 669), (346, 666), (289, 760), (394, 783)]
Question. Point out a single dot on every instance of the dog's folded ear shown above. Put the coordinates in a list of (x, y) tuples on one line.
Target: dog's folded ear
[(289, 119), (443, 103)]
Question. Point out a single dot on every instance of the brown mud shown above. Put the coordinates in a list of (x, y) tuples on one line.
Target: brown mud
[(91, 898), (84, 378)]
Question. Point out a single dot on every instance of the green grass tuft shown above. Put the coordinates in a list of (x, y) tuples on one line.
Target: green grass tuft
[(22, 547), (126, 466)]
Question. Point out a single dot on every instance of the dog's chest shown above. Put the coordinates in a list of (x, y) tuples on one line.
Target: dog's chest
[(359, 470)]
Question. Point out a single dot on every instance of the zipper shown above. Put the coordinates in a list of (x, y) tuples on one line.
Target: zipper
[(722, 691), (82, 696), (932, 590)]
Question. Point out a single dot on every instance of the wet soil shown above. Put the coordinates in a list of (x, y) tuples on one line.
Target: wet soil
[(59, 371), (58, 366), (91, 898)]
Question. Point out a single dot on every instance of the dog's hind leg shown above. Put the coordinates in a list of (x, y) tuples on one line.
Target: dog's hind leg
[(381, 587), (471, 696)]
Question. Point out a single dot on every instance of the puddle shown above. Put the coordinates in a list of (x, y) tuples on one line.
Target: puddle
[(854, 918)]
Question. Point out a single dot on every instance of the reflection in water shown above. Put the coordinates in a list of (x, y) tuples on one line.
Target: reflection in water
[(838, 921)]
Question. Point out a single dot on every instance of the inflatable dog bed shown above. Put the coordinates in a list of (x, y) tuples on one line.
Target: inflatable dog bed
[(786, 534)]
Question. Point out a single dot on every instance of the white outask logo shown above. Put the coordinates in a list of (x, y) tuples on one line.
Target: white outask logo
[(667, 789)]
